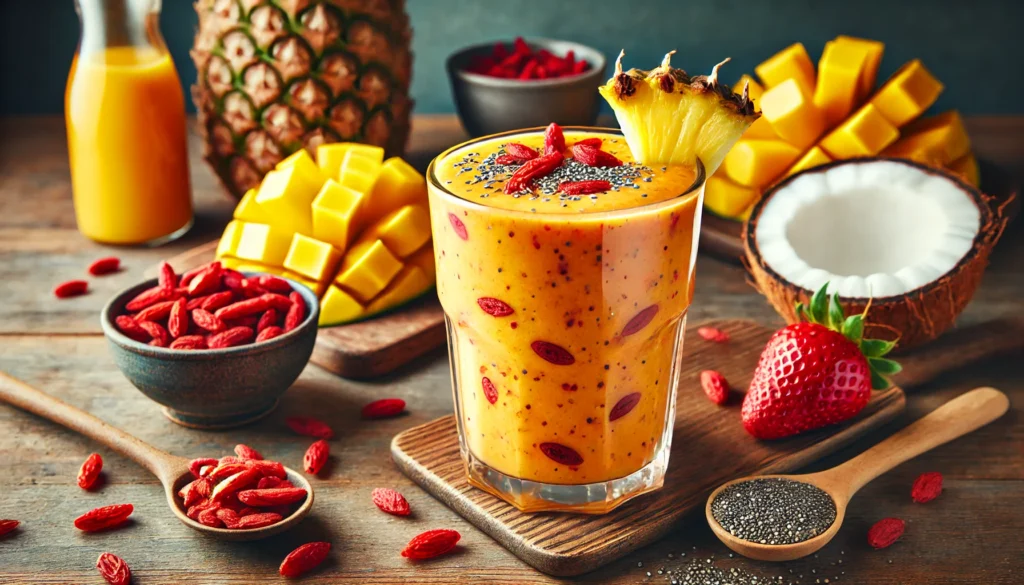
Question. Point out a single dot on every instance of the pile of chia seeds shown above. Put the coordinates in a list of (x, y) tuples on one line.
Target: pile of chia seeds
[(692, 570), (774, 511)]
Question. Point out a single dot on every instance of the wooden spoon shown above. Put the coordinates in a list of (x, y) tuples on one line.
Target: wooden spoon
[(959, 416), (172, 471)]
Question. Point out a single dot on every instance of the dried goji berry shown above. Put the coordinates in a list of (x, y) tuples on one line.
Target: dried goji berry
[(304, 559), (274, 284), (267, 468), (269, 333), (194, 491), (251, 321), (149, 297), (593, 142), (521, 151), (71, 288), (269, 483), (430, 544), (113, 569), (926, 487), (561, 454), (885, 532), (206, 282), (715, 386), (538, 167), (584, 187), (232, 279), (90, 471), (272, 496), (214, 301), (508, 159), (157, 342), (157, 332), (196, 465), (316, 457), (624, 406), (230, 338), (296, 312), (458, 226), (226, 469), (267, 319), (258, 520), (103, 518), (490, 392), (390, 501), (309, 426), (245, 308), (208, 517), (594, 157), (241, 480), (229, 517), (130, 327), (555, 354), (194, 511), (246, 452), (105, 266), (554, 140), (713, 334), (196, 303), (186, 278), (177, 320), (495, 307), (166, 279), (384, 408), (155, 312), (640, 320), (207, 320), (189, 342), (7, 526), (250, 288)]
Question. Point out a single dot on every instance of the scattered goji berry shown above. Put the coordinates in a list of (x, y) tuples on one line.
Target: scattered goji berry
[(384, 408), (104, 518), (715, 386), (7, 526), (246, 452), (90, 471), (584, 187), (309, 426), (230, 338), (430, 544), (105, 266), (508, 159), (390, 501), (166, 279), (926, 487), (304, 559), (272, 496), (521, 151), (538, 167), (495, 307), (316, 457), (713, 334), (490, 392), (885, 532), (593, 142), (113, 569), (554, 140), (594, 157), (71, 288)]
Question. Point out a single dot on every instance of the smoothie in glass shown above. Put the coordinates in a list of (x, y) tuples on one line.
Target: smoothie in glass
[(565, 317)]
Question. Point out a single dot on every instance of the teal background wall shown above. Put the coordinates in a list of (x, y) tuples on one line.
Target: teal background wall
[(974, 46)]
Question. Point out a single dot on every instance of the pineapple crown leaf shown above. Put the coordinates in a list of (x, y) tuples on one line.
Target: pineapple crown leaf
[(827, 311)]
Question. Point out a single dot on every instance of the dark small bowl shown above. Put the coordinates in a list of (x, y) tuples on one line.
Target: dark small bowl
[(213, 388), (489, 105)]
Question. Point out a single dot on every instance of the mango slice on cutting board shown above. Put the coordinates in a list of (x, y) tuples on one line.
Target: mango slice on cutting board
[(350, 225)]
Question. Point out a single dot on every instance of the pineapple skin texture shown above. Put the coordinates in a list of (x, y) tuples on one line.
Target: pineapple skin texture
[(275, 76)]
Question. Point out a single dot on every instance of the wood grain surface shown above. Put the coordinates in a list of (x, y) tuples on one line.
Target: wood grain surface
[(969, 535), (365, 349)]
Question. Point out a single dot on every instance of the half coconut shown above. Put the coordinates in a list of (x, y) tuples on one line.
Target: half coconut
[(909, 239)]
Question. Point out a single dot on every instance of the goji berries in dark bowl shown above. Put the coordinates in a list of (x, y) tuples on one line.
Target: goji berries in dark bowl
[(492, 95), (212, 388)]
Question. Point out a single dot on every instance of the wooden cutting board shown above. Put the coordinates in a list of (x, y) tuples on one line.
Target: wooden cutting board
[(710, 447), (366, 349)]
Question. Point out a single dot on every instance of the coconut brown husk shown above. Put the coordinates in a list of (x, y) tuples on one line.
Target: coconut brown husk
[(913, 318)]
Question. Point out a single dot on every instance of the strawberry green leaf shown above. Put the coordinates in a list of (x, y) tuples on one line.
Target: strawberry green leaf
[(819, 305), (884, 366), (835, 313), (874, 348), (853, 328), (801, 312), (878, 381)]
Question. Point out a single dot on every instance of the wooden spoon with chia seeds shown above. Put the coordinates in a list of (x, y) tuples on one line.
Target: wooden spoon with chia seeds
[(801, 513), (171, 470)]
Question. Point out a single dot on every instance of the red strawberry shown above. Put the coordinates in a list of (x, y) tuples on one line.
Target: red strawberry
[(816, 373)]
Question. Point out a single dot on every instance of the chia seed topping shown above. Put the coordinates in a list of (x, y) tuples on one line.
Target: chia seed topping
[(774, 511)]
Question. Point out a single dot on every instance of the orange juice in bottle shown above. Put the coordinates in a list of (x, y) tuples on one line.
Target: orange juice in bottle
[(125, 115)]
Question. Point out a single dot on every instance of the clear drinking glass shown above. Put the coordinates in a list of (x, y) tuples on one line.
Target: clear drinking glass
[(565, 333)]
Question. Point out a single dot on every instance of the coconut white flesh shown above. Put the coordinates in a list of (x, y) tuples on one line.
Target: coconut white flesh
[(870, 229)]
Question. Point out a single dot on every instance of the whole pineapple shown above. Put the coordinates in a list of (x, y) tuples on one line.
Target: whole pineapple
[(278, 75)]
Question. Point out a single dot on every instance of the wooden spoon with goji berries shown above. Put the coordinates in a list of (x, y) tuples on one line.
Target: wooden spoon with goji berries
[(172, 471), (786, 517)]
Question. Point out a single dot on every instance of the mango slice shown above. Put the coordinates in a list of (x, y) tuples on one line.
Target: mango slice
[(263, 243), (793, 62), (839, 77), (907, 94), (424, 258), (367, 269), (334, 213), (228, 243), (408, 284), (317, 286), (865, 133), (937, 140), (299, 157), (249, 266), (312, 258), (403, 231), (752, 163), (337, 306), (967, 167), (397, 184), (286, 195), (727, 199), (869, 74), (761, 129), (812, 158), (331, 156), (250, 211), (792, 113)]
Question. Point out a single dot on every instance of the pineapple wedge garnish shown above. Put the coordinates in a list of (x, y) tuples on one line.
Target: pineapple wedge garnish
[(668, 117)]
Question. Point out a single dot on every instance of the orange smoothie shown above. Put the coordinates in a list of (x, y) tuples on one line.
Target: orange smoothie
[(125, 116), (565, 314)]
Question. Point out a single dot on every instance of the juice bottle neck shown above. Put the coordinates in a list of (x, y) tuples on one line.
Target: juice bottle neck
[(119, 23)]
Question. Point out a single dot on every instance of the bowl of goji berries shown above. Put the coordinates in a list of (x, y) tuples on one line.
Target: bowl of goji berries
[(215, 347), (501, 86)]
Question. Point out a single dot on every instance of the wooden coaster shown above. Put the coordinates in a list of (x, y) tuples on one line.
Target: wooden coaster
[(709, 447)]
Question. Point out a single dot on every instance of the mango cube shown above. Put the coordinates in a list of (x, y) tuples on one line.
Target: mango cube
[(967, 167), (792, 113), (286, 194), (727, 199), (761, 129), (866, 133), (408, 284), (839, 77), (250, 211), (331, 156), (869, 72), (312, 259), (403, 231), (793, 62), (228, 243), (337, 306), (936, 140), (249, 266), (424, 258), (334, 213), (367, 269), (317, 286), (398, 184), (908, 93), (357, 179), (299, 157), (754, 89), (812, 158), (756, 163), (263, 243)]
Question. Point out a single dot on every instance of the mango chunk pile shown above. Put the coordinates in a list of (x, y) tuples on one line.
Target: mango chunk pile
[(814, 116), (353, 227)]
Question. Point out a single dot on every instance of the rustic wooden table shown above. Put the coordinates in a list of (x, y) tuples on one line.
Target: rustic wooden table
[(971, 534)]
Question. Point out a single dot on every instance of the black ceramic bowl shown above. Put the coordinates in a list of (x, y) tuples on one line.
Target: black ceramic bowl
[(489, 105), (213, 388)]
